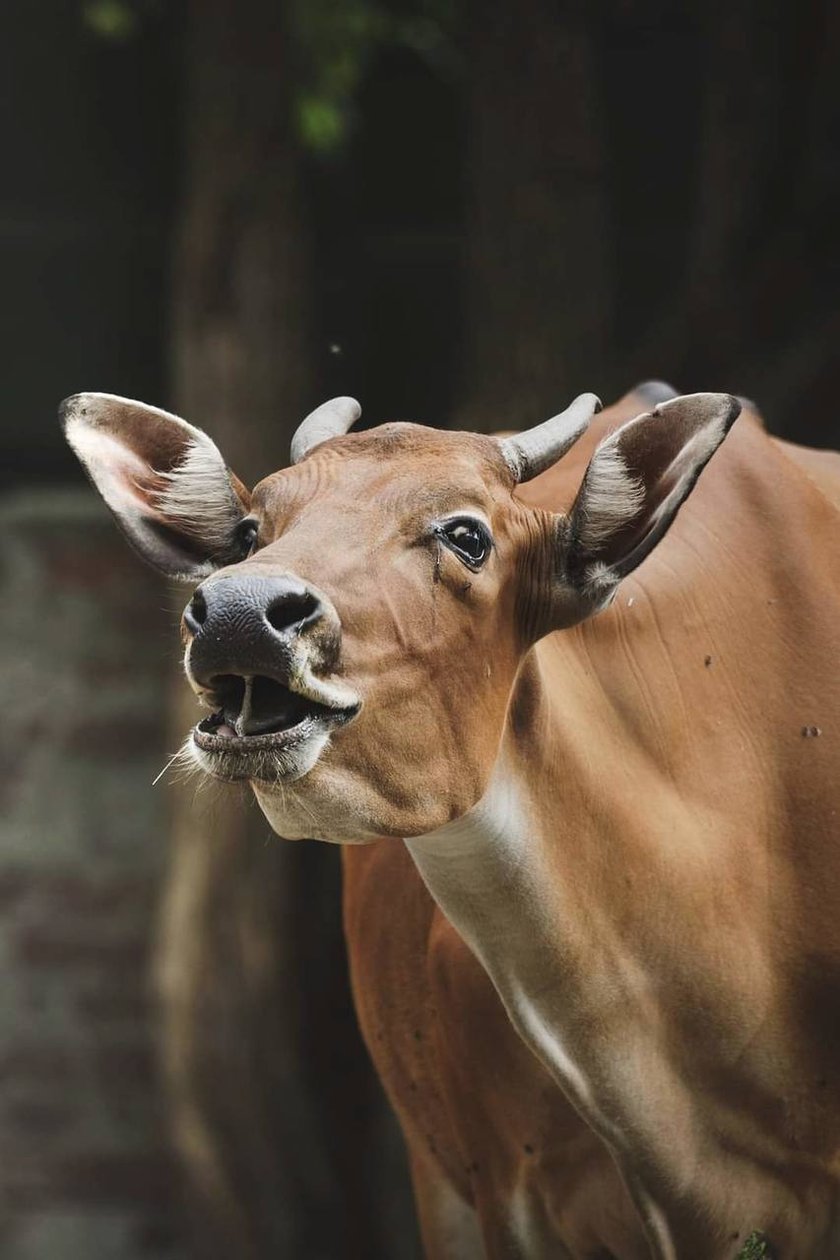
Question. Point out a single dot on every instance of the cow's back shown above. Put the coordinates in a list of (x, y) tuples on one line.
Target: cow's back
[(821, 467)]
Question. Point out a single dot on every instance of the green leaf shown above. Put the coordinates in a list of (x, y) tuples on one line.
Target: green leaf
[(115, 20), (321, 123), (336, 44)]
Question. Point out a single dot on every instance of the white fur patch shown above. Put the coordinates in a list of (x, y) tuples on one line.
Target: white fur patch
[(601, 584), (483, 870), (611, 496), (528, 1231), (658, 1227), (452, 1224), (199, 498)]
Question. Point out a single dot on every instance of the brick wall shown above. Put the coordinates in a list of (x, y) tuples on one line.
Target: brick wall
[(86, 640)]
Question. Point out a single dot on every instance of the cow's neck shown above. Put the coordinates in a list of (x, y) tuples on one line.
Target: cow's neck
[(550, 876), (533, 880), (522, 878), (534, 875)]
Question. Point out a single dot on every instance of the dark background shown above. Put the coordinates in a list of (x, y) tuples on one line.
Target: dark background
[(462, 214)]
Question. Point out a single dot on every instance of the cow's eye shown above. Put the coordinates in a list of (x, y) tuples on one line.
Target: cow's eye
[(246, 536), (469, 539)]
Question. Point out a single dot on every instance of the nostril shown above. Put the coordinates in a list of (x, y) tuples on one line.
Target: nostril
[(292, 609), (195, 613)]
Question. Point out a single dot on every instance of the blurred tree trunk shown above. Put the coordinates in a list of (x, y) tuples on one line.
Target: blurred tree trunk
[(750, 303), (537, 296), (241, 309), (754, 311), (651, 192), (763, 287), (287, 1144)]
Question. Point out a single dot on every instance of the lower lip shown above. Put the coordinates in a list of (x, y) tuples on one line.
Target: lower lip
[(253, 743), (272, 740), (274, 757)]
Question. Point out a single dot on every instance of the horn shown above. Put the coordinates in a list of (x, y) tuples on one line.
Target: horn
[(331, 419), (533, 451)]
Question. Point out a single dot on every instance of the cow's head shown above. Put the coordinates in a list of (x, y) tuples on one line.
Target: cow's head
[(361, 615)]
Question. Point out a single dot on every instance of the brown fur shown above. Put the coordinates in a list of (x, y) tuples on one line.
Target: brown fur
[(635, 1053)]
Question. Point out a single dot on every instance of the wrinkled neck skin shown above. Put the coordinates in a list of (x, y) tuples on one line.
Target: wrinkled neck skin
[(630, 941)]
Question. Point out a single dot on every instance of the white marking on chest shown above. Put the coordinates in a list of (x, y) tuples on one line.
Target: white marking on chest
[(488, 874), (485, 872)]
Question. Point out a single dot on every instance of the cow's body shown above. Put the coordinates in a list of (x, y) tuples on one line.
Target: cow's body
[(601, 979), (666, 935)]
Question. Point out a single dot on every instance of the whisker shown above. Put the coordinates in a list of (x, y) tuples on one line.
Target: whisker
[(171, 760)]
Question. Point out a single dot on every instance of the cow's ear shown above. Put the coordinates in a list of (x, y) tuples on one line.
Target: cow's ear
[(634, 486), (164, 480)]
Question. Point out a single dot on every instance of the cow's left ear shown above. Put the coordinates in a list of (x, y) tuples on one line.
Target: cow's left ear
[(164, 480), (634, 486)]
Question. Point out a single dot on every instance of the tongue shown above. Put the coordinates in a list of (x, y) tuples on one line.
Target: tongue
[(226, 732)]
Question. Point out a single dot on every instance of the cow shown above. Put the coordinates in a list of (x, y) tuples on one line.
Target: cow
[(580, 748)]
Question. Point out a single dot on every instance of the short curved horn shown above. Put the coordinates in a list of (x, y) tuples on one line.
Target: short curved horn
[(533, 451), (331, 419)]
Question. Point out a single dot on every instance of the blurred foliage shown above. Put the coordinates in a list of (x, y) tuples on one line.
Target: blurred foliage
[(118, 20), (756, 1247), (336, 44), (110, 19)]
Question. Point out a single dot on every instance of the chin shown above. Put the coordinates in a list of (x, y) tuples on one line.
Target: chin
[(334, 804), (307, 790), (292, 789), (321, 806)]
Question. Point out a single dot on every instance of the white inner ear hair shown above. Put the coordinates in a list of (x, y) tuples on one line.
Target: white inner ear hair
[(599, 582), (611, 497), (198, 497)]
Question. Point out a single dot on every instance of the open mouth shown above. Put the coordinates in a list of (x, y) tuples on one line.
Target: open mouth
[(257, 713)]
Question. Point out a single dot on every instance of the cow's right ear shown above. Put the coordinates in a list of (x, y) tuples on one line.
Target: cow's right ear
[(164, 480)]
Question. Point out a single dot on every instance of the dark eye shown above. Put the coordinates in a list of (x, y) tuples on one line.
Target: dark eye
[(469, 539), (246, 536)]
